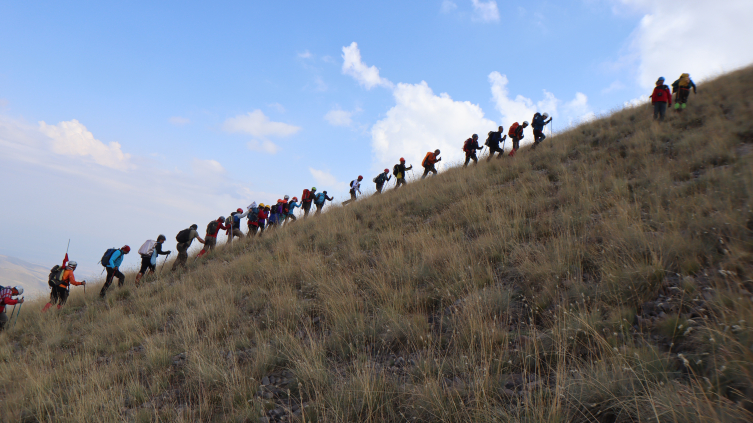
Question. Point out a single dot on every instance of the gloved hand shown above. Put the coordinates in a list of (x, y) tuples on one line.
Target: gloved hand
[(168, 252)]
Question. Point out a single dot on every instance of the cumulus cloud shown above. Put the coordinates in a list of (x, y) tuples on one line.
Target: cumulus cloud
[(71, 138), (368, 76), (704, 38), (263, 146), (325, 181), (422, 121), (448, 6), (339, 117), (179, 121), (485, 11), (256, 123), (305, 55), (207, 167)]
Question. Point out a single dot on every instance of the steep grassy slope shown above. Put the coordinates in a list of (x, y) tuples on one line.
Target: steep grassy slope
[(604, 277)]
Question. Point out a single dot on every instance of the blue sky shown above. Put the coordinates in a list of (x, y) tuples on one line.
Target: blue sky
[(123, 120)]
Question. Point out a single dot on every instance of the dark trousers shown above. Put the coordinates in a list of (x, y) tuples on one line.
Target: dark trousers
[(58, 295), (400, 181), (180, 261), (538, 137), (660, 109), (428, 169), (352, 197), (493, 150), (379, 188), (470, 156), (112, 273), (3, 320), (253, 229), (319, 208), (306, 206), (682, 96)]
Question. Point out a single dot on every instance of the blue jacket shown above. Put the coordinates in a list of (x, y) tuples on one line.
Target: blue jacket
[(291, 206), (116, 259), (538, 123)]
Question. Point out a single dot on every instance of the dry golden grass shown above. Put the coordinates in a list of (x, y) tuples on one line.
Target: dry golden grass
[(605, 277)]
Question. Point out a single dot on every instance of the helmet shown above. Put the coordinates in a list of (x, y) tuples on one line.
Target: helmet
[(324, 192), (402, 159), (661, 78), (72, 265), (194, 226), (475, 135), (222, 218), (360, 178), (386, 171), (261, 205), (295, 198), (126, 249), (437, 151), (286, 197), (313, 188), (525, 123), (19, 290), (240, 210), (279, 200), (161, 238), (545, 115)]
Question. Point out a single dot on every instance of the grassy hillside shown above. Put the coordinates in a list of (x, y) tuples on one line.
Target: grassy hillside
[(604, 277)]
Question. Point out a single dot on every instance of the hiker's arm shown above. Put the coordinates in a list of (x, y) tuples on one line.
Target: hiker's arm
[(199, 238), (159, 250), (11, 301), (409, 168), (114, 257), (547, 122)]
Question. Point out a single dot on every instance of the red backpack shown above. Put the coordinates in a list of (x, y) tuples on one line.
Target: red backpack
[(467, 145), (305, 196), (513, 129)]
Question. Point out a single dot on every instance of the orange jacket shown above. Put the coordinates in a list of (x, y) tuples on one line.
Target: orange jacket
[(430, 159), (68, 279)]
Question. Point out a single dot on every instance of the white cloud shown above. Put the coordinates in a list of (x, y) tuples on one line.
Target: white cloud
[(339, 117), (320, 84), (577, 110), (263, 146), (614, 86), (702, 37), (329, 59), (305, 55), (421, 121), (448, 6), (207, 167), (256, 123), (179, 121), (368, 76), (485, 11), (325, 181), (71, 138), (278, 107)]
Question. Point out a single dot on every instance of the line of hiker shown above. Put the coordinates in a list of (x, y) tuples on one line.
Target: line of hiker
[(661, 97)]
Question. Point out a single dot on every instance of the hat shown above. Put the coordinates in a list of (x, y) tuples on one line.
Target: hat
[(402, 159), (126, 249), (360, 178), (240, 210), (386, 171)]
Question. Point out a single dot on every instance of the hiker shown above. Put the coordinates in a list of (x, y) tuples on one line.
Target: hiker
[(399, 171), (6, 299), (150, 252), (306, 199), (60, 280), (470, 146), (235, 223), (275, 214), (112, 262), (538, 123), (355, 185), (381, 179), (185, 238), (681, 88), (429, 161), (253, 219), (262, 217), (661, 99), (493, 140), (210, 240), (320, 199), (516, 134), (291, 209)]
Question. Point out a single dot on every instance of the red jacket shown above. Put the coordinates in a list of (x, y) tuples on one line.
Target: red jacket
[(6, 298), (661, 94), (220, 226)]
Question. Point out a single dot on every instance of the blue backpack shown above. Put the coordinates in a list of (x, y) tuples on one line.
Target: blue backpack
[(105, 260), (320, 198)]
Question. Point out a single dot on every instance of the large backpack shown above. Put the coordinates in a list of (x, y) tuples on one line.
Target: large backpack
[(212, 227), (56, 275), (467, 145), (396, 169), (183, 236), (147, 248), (105, 260), (305, 196), (513, 129), (253, 215), (423, 163), (320, 198)]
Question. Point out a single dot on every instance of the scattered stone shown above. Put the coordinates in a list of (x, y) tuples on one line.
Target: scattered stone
[(265, 381)]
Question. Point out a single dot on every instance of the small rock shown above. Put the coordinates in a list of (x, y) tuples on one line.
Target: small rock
[(265, 381), (269, 395)]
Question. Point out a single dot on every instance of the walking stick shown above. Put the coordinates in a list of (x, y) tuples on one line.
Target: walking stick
[(164, 263), (13, 311), (19, 312)]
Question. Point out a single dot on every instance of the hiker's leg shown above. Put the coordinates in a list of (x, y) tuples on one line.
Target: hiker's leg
[(467, 159), (3, 320), (63, 294), (656, 111), (662, 110), (426, 172), (108, 282), (120, 276), (475, 158), (433, 169)]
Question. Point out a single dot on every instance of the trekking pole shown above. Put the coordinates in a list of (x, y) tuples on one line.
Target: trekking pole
[(13, 311), (164, 263), (17, 314)]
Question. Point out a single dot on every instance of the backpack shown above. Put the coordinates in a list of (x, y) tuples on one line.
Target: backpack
[(147, 248), (467, 145), (305, 196), (105, 260), (212, 227), (396, 169), (183, 236), (285, 208), (253, 215), (320, 198), (423, 163), (513, 129), (56, 273)]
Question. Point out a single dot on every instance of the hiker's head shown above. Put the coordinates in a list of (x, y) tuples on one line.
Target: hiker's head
[(436, 152), (279, 201), (660, 81), (240, 210), (402, 160), (501, 128), (295, 198), (360, 178), (525, 123), (386, 171), (475, 136), (545, 115), (313, 188), (194, 226), (161, 238), (71, 265), (324, 192), (286, 197), (126, 249), (222, 218), (17, 290)]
